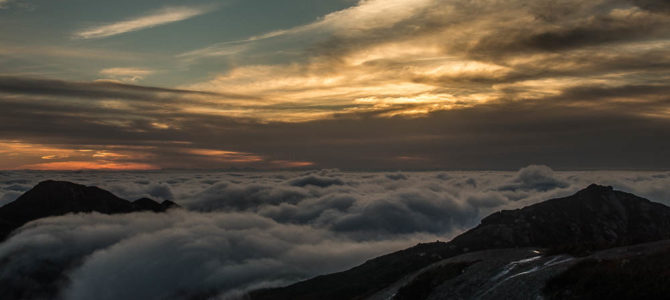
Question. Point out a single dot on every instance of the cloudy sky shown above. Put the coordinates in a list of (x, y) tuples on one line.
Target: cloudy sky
[(367, 85)]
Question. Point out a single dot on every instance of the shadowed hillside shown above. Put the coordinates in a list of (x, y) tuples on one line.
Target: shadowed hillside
[(597, 217)]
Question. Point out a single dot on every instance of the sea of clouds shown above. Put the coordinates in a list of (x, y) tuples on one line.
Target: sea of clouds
[(246, 230)]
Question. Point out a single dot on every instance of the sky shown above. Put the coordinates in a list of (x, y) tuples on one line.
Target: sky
[(355, 85)]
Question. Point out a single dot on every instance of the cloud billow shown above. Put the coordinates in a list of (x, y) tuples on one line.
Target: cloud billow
[(262, 230)]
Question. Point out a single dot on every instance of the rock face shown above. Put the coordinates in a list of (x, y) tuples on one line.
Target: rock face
[(597, 217), (53, 198)]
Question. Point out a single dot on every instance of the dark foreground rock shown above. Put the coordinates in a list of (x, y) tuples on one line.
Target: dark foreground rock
[(629, 272), (593, 219), (54, 198), (643, 272)]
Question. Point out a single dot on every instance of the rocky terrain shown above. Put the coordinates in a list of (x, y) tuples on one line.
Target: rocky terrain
[(543, 250), (637, 271)]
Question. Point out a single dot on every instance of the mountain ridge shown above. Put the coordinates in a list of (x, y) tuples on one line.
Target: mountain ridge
[(52, 198), (597, 217)]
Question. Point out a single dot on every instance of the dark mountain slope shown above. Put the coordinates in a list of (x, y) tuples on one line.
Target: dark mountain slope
[(595, 218), (627, 277), (53, 198), (630, 272)]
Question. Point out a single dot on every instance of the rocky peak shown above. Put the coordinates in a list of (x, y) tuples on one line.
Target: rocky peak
[(53, 198), (597, 216), (594, 218)]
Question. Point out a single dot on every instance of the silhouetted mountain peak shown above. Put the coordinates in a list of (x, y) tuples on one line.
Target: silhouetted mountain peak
[(53, 198), (598, 188), (597, 215)]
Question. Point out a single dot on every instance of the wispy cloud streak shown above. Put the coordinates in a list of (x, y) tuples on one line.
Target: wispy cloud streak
[(161, 17), (126, 74)]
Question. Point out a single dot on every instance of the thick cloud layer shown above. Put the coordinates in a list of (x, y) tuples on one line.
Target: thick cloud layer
[(241, 231)]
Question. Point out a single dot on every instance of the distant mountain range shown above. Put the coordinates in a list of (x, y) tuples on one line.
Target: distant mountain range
[(54, 198), (596, 244)]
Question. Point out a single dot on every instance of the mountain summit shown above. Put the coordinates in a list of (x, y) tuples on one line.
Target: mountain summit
[(53, 198), (595, 218)]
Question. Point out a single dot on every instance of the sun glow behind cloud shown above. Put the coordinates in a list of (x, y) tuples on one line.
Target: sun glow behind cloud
[(416, 57), (30, 156), (62, 158)]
